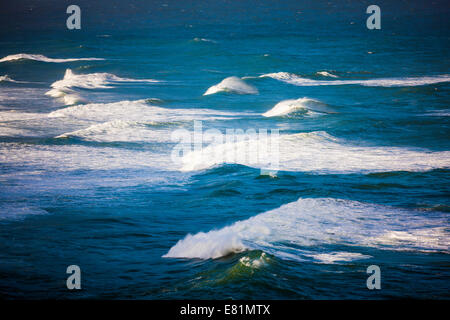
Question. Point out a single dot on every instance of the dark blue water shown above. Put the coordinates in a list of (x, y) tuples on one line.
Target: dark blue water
[(87, 177)]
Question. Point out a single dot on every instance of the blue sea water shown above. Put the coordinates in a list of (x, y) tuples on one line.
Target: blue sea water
[(87, 177)]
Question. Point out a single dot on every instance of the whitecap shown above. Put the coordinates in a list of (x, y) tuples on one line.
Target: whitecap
[(14, 115), (40, 57), (137, 110), (233, 85), (314, 224), (339, 256), (305, 105), (382, 82), (326, 74), (92, 80), (316, 152), (6, 78), (204, 40), (101, 80), (123, 131), (64, 158)]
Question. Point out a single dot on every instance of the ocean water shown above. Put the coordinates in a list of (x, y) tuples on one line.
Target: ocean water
[(86, 136)]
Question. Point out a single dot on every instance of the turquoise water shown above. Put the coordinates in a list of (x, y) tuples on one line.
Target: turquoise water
[(87, 178)]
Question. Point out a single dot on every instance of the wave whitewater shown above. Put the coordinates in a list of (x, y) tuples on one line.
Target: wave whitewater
[(137, 110), (92, 80), (63, 89), (316, 152), (304, 105), (294, 79), (6, 78), (232, 85), (40, 57), (326, 74), (123, 131), (314, 222)]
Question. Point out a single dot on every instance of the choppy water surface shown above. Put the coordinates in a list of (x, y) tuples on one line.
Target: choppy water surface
[(86, 139)]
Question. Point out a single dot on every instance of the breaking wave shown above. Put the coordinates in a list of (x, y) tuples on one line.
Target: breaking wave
[(326, 74), (40, 57), (383, 82), (316, 152), (313, 223), (6, 78), (63, 88), (302, 105), (233, 85)]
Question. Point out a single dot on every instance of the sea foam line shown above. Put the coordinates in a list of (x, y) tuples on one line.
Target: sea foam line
[(40, 57), (294, 79)]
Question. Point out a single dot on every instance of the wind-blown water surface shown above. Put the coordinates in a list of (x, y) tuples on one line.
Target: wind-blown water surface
[(87, 177)]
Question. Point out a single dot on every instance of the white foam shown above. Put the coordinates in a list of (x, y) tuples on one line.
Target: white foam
[(40, 57), (14, 132), (204, 40), (289, 106), (65, 158), (384, 82), (56, 93), (326, 74), (123, 131), (437, 113), (253, 263), (50, 167), (64, 87), (316, 152), (71, 99), (340, 256), (233, 85), (217, 243), (6, 78), (22, 96), (92, 80), (66, 95), (137, 110), (425, 238), (13, 115), (314, 224)]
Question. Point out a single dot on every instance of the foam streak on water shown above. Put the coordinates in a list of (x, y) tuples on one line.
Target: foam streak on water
[(386, 82), (40, 57)]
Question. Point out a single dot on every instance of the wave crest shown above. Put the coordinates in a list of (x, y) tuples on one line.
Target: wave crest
[(63, 89), (312, 223), (326, 74), (233, 85), (294, 105), (294, 79), (40, 57), (316, 152)]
